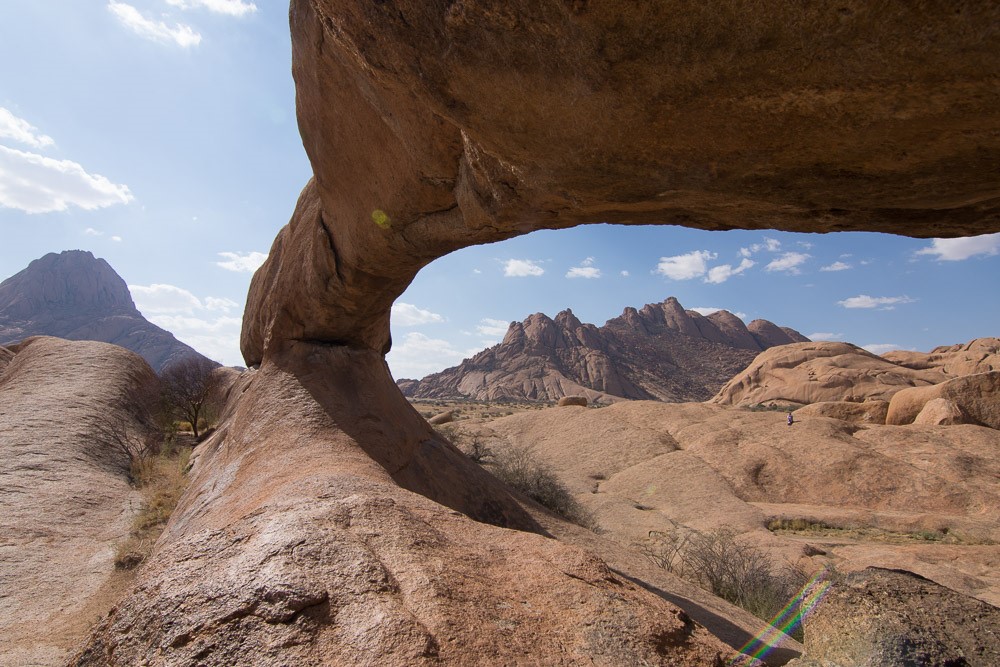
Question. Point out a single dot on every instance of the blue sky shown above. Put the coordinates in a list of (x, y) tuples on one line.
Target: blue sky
[(161, 136)]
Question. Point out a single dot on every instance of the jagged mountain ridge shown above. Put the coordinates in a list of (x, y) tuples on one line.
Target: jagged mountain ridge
[(77, 296), (659, 352)]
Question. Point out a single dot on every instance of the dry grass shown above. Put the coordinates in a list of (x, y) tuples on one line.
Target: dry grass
[(869, 533), (469, 409), (161, 479)]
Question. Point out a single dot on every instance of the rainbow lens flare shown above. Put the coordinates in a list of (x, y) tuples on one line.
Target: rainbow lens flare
[(785, 621)]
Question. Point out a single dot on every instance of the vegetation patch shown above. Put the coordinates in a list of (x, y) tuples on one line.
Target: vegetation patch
[(869, 533), (161, 479), (727, 566)]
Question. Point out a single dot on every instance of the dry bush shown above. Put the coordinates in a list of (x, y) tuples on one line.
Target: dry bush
[(726, 566), (518, 467)]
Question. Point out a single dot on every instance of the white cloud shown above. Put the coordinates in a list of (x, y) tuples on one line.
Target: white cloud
[(242, 262), (161, 299), (769, 244), (836, 266), (217, 338), (520, 268), (865, 301), (37, 184), (685, 267), (493, 328), (723, 272), (408, 315), (476, 271), (157, 31), (584, 272), (881, 348), (954, 250), (230, 7), (21, 131), (116, 239), (706, 311), (788, 262), (90, 231), (624, 274), (158, 299), (820, 335), (419, 355)]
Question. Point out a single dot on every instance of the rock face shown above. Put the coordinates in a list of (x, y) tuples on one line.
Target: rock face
[(975, 399), (659, 352), (431, 126), (884, 618), (331, 540), (816, 372), (65, 492), (75, 296)]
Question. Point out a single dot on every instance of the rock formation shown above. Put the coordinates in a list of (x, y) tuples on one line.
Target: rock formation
[(920, 498), (882, 618), (659, 352), (434, 126), (76, 296), (65, 491), (806, 373), (975, 399)]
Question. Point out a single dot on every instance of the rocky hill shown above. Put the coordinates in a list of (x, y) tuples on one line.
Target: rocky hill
[(76, 296), (660, 352)]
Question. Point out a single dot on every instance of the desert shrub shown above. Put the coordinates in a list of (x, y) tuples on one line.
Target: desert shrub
[(519, 468), (726, 566)]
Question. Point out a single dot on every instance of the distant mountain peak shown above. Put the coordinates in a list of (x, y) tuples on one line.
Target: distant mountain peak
[(660, 351), (77, 296)]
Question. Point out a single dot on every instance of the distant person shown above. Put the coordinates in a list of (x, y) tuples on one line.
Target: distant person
[(790, 419)]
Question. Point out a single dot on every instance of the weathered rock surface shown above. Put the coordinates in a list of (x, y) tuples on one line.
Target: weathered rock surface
[(980, 355), (72, 295), (659, 352), (870, 412), (939, 412), (64, 490), (806, 373), (5, 357), (577, 401), (639, 466), (298, 542), (976, 397), (885, 618)]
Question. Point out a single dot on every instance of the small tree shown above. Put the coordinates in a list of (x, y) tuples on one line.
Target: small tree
[(131, 431), (189, 387)]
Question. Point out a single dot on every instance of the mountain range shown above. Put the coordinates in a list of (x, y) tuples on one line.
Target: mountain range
[(77, 296), (659, 352)]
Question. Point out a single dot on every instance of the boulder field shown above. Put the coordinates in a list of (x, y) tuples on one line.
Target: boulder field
[(326, 523)]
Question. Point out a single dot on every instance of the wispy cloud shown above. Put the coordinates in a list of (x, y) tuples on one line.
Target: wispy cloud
[(241, 262), (37, 184), (769, 244), (210, 325), (229, 7), (522, 268), (21, 131), (836, 266), (881, 348), (418, 355), (624, 274), (408, 315), (789, 262), (90, 231), (685, 267), (883, 302), (723, 272), (585, 270), (954, 250), (493, 328), (157, 31), (822, 335), (707, 310)]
